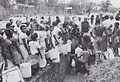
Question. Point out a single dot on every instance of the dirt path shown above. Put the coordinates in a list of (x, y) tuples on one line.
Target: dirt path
[(75, 78)]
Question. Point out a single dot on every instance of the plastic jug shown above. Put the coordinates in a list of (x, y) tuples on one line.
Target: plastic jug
[(26, 70), (12, 75)]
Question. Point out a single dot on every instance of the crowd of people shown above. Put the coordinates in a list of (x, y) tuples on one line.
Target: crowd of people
[(84, 41)]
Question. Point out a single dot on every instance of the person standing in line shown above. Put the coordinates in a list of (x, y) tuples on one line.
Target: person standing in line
[(42, 39), (23, 42), (6, 51), (35, 46), (116, 39), (92, 19), (11, 21), (85, 26), (117, 17), (98, 31), (17, 54)]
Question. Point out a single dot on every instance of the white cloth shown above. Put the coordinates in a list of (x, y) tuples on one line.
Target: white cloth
[(54, 55), (68, 46), (22, 36), (42, 35), (16, 28), (56, 30), (34, 45), (22, 47), (107, 23), (78, 51), (65, 48)]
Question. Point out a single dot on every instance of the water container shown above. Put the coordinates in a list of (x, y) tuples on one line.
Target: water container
[(54, 55), (26, 70), (12, 75)]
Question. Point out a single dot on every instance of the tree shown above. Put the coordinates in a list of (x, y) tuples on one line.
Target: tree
[(51, 3), (105, 6), (20, 1), (5, 3)]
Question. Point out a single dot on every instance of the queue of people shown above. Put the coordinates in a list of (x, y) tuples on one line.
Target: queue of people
[(84, 41)]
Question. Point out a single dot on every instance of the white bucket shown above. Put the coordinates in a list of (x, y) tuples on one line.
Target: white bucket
[(12, 75), (54, 55), (26, 70), (42, 63)]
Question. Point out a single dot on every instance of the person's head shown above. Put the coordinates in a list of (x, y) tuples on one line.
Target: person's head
[(23, 28), (79, 18), (35, 26), (8, 25), (54, 23), (1, 39), (75, 26), (9, 33), (34, 37), (28, 33), (90, 47), (85, 19), (35, 21), (119, 11), (97, 22), (101, 15), (18, 22), (64, 25), (57, 17), (49, 18), (97, 16), (106, 17), (116, 24), (42, 17), (12, 28), (92, 16), (111, 17), (31, 20), (11, 21)]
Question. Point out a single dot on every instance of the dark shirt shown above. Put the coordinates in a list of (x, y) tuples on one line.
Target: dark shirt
[(75, 32), (85, 26)]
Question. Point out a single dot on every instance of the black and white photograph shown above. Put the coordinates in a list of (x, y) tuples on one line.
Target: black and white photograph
[(59, 40)]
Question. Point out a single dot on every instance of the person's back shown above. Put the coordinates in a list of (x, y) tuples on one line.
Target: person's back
[(85, 26), (6, 47), (99, 30)]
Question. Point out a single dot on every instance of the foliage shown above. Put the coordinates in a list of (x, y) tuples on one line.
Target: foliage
[(105, 6), (5, 3)]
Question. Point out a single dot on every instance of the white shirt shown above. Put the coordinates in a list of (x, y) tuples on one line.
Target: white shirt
[(107, 23), (22, 36), (17, 29), (78, 51), (34, 45), (68, 45), (42, 35), (55, 31)]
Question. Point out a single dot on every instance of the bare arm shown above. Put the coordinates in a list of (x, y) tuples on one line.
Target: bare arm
[(25, 44)]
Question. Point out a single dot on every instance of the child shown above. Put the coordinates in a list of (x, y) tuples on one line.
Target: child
[(80, 62), (16, 52), (23, 42), (34, 45), (35, 49)]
